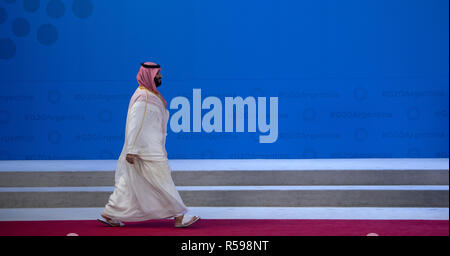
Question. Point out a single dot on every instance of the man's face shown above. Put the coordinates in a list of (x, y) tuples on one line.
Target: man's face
[(158, 78)]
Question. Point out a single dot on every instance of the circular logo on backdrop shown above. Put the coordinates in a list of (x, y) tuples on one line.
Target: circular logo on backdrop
[(360, 93), (54, 137), (361, 134), (413, 113), (45, 34), (54, 96), (309, 114), (105, 115)]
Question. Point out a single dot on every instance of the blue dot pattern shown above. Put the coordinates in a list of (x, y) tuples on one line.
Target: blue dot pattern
[(21, 27), (47, 34)]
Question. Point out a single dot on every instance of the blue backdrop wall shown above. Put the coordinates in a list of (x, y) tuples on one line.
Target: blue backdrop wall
[(352, 78)]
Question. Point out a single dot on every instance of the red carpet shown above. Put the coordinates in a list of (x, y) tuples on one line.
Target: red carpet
[(231, 227)]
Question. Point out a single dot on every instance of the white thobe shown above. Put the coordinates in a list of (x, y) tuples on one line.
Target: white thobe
[(144, 190)]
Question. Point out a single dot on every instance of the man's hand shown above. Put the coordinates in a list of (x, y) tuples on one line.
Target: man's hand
[(131, 157)]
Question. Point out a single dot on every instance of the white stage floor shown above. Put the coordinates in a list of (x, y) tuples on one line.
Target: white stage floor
[(91, 213), (238, 164)]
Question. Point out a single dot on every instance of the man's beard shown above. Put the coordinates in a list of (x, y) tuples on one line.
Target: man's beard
[(157, 82)]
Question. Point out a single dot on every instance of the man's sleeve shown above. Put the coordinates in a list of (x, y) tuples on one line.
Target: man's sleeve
[(135, 121)]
